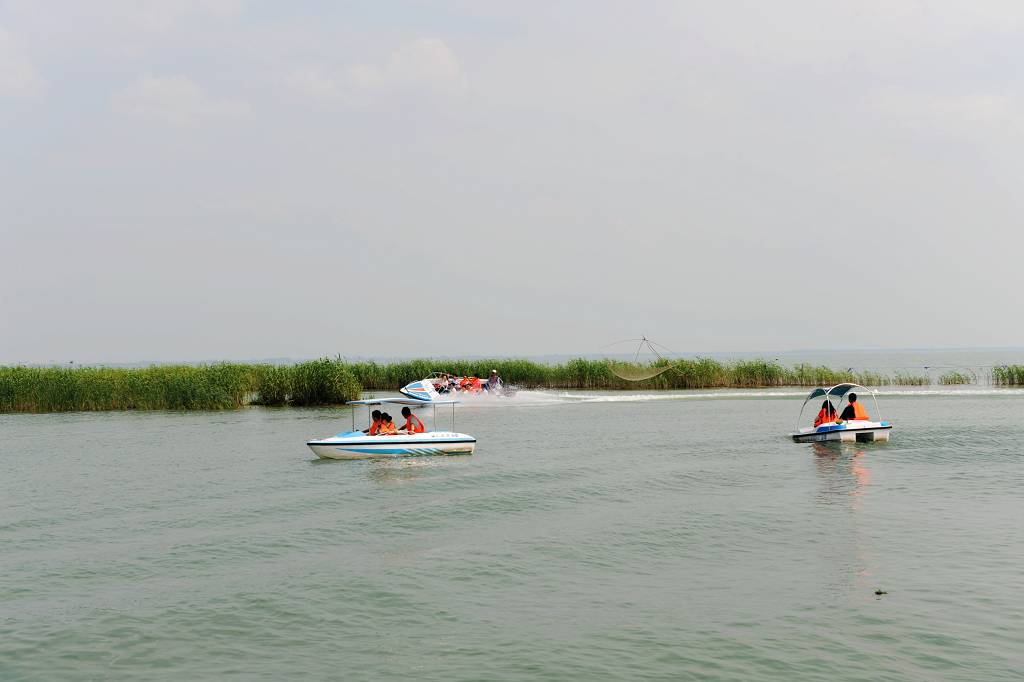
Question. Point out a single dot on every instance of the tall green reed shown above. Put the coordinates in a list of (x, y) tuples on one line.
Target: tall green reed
[(1008, 375), (905, 379), (582, 373), (174, 387)]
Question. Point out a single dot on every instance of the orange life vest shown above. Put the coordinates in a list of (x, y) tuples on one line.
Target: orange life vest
[(859, 412), (824, 417), (374, 427), (412, 427), (387, 429)]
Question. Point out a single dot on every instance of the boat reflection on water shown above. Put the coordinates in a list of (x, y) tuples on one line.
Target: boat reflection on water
[(390, 472), (844, 476), (844, 470), (397, 472)]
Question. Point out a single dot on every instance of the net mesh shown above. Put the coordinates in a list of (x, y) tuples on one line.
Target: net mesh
[(636, 371)]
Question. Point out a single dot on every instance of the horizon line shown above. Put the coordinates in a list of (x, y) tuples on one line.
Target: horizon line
[(497, 356)]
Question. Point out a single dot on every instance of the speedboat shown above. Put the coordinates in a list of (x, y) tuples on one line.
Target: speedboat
[(355, 444), (482, 386), (848, 431)]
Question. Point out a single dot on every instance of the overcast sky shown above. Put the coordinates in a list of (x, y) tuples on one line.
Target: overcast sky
[(202, 179)]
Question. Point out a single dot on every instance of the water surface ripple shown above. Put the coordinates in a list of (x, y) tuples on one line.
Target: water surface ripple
[(592, 536)]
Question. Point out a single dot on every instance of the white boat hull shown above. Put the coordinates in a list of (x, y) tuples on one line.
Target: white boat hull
[(848, 432), (357, 445)]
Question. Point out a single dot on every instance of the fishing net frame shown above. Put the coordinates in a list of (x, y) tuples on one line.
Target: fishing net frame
[(631, 372)]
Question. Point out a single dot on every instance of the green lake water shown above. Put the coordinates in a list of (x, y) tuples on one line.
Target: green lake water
[(592, 536)]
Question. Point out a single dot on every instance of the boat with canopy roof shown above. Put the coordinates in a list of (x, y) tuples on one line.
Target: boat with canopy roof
[(836, 429), (359, 445)]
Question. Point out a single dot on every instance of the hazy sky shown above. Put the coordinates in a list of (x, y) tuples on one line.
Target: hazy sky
[(200, 179)]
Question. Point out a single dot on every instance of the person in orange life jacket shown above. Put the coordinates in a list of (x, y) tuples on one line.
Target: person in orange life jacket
[(854, 410), (375, 426), (412, 422), (387, 427), (825, 415)]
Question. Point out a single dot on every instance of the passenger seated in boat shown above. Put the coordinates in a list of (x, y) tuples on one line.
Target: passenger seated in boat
[(826, 415), (412, 422), (387, 427), (854, 410), (375, 426)]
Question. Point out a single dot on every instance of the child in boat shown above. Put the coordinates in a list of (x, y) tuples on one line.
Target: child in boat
[(387, 427), (375, 426), (825, 415), (412, 422), (855, 410)]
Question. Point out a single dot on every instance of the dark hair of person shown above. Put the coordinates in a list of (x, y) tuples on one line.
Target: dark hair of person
[(852, 397), (406, 411), (375, 414), (386, 417)]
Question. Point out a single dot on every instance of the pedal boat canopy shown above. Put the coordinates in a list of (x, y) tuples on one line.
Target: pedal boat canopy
[(852, 430), (358, 445)]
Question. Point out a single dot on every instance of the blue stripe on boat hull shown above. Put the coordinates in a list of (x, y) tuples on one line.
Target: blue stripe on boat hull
[(326, 451)]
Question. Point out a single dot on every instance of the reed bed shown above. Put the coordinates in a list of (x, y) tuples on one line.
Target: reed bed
[(956, 379), (582, 373), (335, 381), (317, 382), (902, 379), (1008, 375), (174, 387)]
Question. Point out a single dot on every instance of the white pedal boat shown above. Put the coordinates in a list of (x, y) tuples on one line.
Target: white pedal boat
[(848, 431), (355, 444)]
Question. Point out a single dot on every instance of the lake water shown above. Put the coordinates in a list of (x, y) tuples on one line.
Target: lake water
[(592, 536)]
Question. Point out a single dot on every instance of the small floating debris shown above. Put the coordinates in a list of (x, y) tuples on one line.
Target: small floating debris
[(880, 592)]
